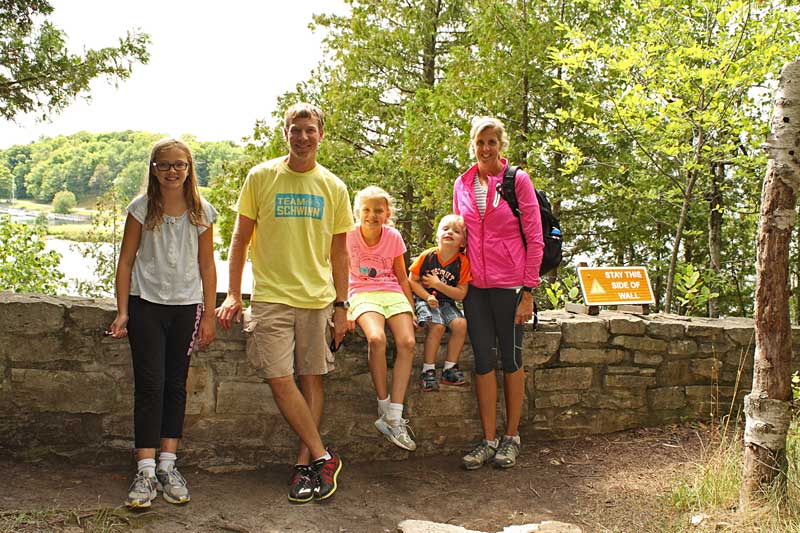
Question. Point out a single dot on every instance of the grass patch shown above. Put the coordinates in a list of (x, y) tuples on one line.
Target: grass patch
[(710, 494), (102, 520), (74, 232)]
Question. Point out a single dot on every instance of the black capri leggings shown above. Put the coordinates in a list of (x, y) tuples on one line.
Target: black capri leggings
[(490, 323), (161, 339)]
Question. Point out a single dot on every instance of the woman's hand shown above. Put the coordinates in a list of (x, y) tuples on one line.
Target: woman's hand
[(119, 327), (524, 309), (208, 330)]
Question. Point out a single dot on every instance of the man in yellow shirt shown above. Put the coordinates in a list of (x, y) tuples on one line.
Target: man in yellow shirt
[(294, 214)]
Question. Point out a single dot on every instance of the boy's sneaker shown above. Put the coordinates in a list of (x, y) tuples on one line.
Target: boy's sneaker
[(507, 452), (479, 456), (142, 491), (173, 485), (397, 432), (453, 376), (324, 474), (428, 381), (302, 485)]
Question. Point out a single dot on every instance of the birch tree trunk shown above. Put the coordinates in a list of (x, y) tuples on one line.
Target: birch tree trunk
[(767, 407)]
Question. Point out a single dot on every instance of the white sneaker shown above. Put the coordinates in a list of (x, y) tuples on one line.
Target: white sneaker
[(142, 491), (396, 431)]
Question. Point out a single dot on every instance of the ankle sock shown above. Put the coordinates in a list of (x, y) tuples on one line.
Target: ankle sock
[(448, 364), (426, 367), (395, 411), (493, 443), (323, 458), (166, 460), (383, 405), (147, 467)]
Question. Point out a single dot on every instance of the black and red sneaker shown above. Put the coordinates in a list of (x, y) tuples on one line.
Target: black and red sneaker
[(325, 474), (302, 485)]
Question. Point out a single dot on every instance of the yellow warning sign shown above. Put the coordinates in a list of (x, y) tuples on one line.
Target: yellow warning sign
[(615, 285)]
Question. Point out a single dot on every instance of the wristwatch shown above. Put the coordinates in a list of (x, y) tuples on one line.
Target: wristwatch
[(526, 289), (344, 304)]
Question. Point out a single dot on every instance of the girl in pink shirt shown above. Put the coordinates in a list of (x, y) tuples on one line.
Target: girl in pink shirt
[(379, 294)]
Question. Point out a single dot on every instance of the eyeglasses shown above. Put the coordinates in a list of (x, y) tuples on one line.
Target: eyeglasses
[(166, 165)]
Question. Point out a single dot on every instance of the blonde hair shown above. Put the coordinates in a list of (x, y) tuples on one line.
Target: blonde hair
[(454, 219), (481, 123), (304, 110), (371, 192), (155, 202)]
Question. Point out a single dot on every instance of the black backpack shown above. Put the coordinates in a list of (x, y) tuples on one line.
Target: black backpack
[(551, 228)]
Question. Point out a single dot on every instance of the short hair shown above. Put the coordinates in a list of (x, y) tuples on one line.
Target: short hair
[(304, 110), (453, 219), (481, 123), (374, 191)]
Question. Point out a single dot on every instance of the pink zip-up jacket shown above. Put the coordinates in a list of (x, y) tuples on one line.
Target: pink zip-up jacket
[(497, 256)]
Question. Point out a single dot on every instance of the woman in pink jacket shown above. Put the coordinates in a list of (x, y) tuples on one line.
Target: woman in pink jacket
[(504, 274)]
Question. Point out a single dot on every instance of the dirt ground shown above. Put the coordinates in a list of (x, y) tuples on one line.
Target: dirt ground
[(614, 482)]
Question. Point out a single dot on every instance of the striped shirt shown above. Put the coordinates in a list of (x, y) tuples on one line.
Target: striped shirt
[(480, 195)]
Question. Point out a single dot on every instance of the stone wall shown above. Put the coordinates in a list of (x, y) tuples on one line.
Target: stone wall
[(66, 389)]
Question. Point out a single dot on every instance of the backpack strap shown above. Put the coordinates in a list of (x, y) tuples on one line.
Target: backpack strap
[(508, 191)]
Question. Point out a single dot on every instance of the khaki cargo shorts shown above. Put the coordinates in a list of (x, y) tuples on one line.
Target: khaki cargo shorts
[(283, 340)]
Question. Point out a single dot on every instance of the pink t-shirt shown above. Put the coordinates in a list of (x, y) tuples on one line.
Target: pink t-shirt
[(372, 267)]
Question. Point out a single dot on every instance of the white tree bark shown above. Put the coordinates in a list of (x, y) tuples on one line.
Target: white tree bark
[(767, 406)]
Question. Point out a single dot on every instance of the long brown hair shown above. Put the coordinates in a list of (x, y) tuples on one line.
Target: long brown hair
[(155, 203)]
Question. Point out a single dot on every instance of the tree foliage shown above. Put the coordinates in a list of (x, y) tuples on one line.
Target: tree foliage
[(641, 118), (88, 164), (64, 202), (38, 74), (25, 265)]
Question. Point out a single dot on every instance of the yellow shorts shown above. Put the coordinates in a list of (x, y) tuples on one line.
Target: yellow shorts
[(386, 303), (283, 340)]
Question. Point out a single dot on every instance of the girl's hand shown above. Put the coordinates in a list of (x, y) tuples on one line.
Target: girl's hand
[(432, 302), (119, 327), (208, 330), (351, 325), (524, 309)]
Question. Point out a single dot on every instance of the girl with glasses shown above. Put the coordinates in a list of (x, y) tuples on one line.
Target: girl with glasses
[(166, 290)]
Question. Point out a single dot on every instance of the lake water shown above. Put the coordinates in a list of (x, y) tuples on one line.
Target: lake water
[(76, 267)]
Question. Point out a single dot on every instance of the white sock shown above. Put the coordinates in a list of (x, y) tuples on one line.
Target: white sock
[(325, 457), (166, 460), (426, 367), (383, 405), (395, 411), (493, 443), (448, 364), (147, 466)]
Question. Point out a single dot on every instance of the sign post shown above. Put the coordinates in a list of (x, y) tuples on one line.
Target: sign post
[(615, 286)]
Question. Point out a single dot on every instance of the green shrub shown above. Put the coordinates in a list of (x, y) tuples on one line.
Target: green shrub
[(64, 202)]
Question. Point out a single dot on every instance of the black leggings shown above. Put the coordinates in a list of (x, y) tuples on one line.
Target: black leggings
[(161, 339), (490, 323)]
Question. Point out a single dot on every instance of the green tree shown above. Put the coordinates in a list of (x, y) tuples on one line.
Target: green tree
[(25, 265), (64, 202), (38, 74), (677, 86), (6, 181)]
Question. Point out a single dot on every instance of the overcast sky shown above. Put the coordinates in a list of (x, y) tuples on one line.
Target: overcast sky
[(215, 67)]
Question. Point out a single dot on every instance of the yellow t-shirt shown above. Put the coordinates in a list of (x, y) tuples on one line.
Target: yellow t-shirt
[(296, 215)]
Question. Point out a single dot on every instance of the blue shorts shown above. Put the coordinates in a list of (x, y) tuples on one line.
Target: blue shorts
[(444, 314)]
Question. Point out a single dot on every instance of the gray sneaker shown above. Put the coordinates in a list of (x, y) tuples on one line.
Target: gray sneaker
[(507, 452), (173, 485), (142, 491), (479, 456), (397, 432)]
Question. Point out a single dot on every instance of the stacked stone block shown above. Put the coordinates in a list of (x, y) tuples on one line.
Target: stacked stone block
[(66, 389)]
